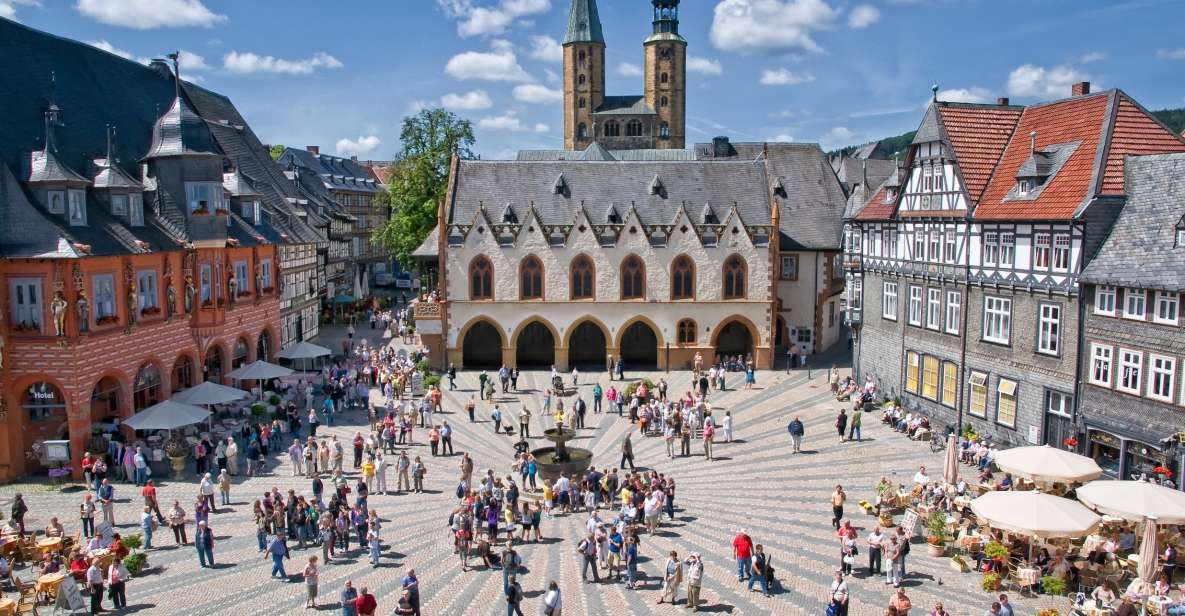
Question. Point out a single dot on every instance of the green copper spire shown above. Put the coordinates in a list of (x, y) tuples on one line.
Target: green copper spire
[(584, 23)]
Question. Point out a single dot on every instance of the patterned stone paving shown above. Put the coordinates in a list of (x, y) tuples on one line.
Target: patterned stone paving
[(755, 483)]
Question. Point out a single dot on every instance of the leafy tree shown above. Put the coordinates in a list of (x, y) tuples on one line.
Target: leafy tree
[(419, 178), (276, 151), (1173, 118)]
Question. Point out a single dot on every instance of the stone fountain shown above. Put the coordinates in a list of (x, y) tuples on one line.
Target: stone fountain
[(571, 461)]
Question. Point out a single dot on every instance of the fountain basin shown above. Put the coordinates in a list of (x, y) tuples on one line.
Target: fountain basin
[(552, 461)]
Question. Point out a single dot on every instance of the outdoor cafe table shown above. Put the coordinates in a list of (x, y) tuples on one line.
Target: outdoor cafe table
[(1028, 575), (49, 583), (49, 544), (7, 607)]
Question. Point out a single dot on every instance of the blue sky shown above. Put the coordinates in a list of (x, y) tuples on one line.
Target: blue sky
[(343, 74)]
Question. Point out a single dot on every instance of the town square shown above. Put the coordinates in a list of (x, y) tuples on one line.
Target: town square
[(819, 320)]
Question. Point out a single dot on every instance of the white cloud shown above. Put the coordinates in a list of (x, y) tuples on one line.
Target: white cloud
[(109, 48), (784, 114), (542, 128), (498, 65), (148, 14), (837, 137), (474, 20), (784, 77), (1171, 54), (863, 16), (510, 122), (535, 93), (706, 66), (190, 61), (477, 99), (1041, 82), (974, 94), (770, 25), (247, 62), (626, 69), (781, 137), (417, 106), (8, 7), (552, 76), (546, 49), (1094, 56), (364, 145)]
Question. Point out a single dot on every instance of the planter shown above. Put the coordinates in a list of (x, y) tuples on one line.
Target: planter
[(936, 549), (178, 464), (886, 521), (959, 564)]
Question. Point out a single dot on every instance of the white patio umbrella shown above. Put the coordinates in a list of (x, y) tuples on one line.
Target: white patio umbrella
[(1035, 513), (1134, 500), (1147, 568), (167, 415), (259, 371), (208, 393), (1047, 464), (304, 350), (950, 466)]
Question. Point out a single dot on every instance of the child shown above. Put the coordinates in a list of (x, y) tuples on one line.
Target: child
[(548, 498)]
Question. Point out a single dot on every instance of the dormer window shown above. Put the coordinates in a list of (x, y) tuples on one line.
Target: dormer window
[(509, 217), (1025, 186), (613, 218), (256, 212), (119, 205), (136, 209), (57, 202), (77, 203), (890, 195), (204, 196)]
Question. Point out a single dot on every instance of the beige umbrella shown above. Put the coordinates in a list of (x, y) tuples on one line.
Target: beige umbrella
[(1047, 464), (1035, 513), (1148, 551), (950, 468), (1134, 501)]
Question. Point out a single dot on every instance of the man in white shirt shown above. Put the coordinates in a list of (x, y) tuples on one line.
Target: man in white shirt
[(921, 478), (94, 579), (875, 541)]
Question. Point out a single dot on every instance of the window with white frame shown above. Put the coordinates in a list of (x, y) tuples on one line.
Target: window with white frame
[(103, 287), (25, 303), (1049, 329), (146, 289), (1101, 359), (933, 308), (57, 201), (919, 245), (77, 203), (977, 400), (265, 273), (997, 319), (935, 246), (1041, 251), (242, 277), (1166, 308), (1135, 304), (1162, 373), (1058, 403), (886, 243), (1061, 252), (1104, 300), (889, 301), (1006, 403), (948, 247), (892, 243), (205, 196), (119, 205), (991, 248), (1007, 249), (206, 275), (954, 311), (915, 305), (1130, 365), (136, 209)]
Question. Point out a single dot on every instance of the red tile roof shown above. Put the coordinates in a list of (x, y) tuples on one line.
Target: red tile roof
[(876, 208), (978, 135), (1135, 133)]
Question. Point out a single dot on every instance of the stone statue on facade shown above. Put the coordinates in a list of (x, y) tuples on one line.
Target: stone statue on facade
[(59, 306), (233, 285), (190, 291), (170, 300), (133, 307), (82, 309)]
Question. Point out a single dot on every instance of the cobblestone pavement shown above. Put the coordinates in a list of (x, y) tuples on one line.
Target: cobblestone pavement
[(755, 483)]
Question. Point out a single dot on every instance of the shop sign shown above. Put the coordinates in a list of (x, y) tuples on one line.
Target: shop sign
[(43, 393), (1103, 438)]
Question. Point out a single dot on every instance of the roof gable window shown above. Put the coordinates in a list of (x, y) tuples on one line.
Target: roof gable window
[(77, 204)]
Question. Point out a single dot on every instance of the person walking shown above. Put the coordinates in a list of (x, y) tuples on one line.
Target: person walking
[(310, 581), (631, 561), (837, 597), (588, 549), (695, 575), (514, 597), (277, 550), (672, 577), (347, 599), (627, 451), (837, 500), (742, 553), (760, 569), (446, 439), (150, 501), (796, 430), (203, 541), (841, 423), (553, 602)]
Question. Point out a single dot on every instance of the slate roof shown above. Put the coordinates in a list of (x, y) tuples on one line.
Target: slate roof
[(600, 187), (181, 132), (44, 166), (811, 208), (336, 172), (430, 247), (110, 175), (26, 231), (1141, 250), (633, 104), (623, 155), (584, 23)]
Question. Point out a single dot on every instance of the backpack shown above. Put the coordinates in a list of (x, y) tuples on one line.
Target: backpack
[(461, 489)]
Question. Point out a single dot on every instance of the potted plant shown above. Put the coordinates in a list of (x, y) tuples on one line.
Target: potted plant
[(886, 519), (274, 400), (958, 563), (136, 560), (1049, 612), (997, 553), (990, 582), (257, 409), (936, 533), (177, 448), (150, 311), (1053, 585)]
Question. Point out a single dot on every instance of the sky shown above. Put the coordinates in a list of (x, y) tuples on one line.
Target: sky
[(343, 75)]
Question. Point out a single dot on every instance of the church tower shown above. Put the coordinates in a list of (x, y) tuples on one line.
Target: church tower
[(584, 73), (666, 75)]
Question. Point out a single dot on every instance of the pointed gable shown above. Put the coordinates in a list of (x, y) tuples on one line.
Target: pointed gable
[(978, 135), (1136, 132)]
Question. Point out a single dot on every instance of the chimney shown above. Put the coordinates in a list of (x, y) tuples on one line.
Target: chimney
[(1002, 101), (721, 148), (354, 158), (1081, 88), (313, 149), (161, 66)]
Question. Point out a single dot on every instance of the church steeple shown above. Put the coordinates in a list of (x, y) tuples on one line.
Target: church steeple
[(666, 16), (584, 23), (666, 75), (584, 73)]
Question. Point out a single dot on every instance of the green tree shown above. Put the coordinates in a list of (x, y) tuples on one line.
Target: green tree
[(276, 151), (419, 178)]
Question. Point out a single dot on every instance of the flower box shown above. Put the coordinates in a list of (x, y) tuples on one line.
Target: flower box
[(268, 289), (150, 311), (108, 320), (25, 328)]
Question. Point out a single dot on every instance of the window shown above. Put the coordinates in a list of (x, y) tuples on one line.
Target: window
[(1049, 329), (147, 290), (977, 404), (531, 279), (633, 278), (912, 361), (915, 306), (1007, 249), (1061, 252), (1134, 304), (663, 78), (997, 319), (136, 209), (1104, 301), (789, 270), (663, 102), (954, 311), (57, 202), (1006, 403), (1100, 364), (950, 379), (1162, 372), (119, 205), (1057, 403), (583, 276), (265, 275), (481, 279), (206, 275), (930, 377), (242, 277), (77, 207), (612, 129), (686, 329), (933, 308), (103, 288), (886, 245), (581, 79), (889, 301), (664, 131), (734, 277), (682, 278), (1180, 237), (204, 196), (24, 299), (1024, 187), (633, 128), (919, 246), (991, 248), (1130, 364), (892, 244), (935, 246), (830, 314), (1041, 251), (1166, 308), (948, 247), (582, 129)]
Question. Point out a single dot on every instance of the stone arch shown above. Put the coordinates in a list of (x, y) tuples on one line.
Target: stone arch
[(215, 356), (541, 338), (635, 338), (54, 426), (742, 341), (266, 342), (144, 397), (587, 342), (683, 277), (242, 342), (108, 396), (177, 380), (479, 352)]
